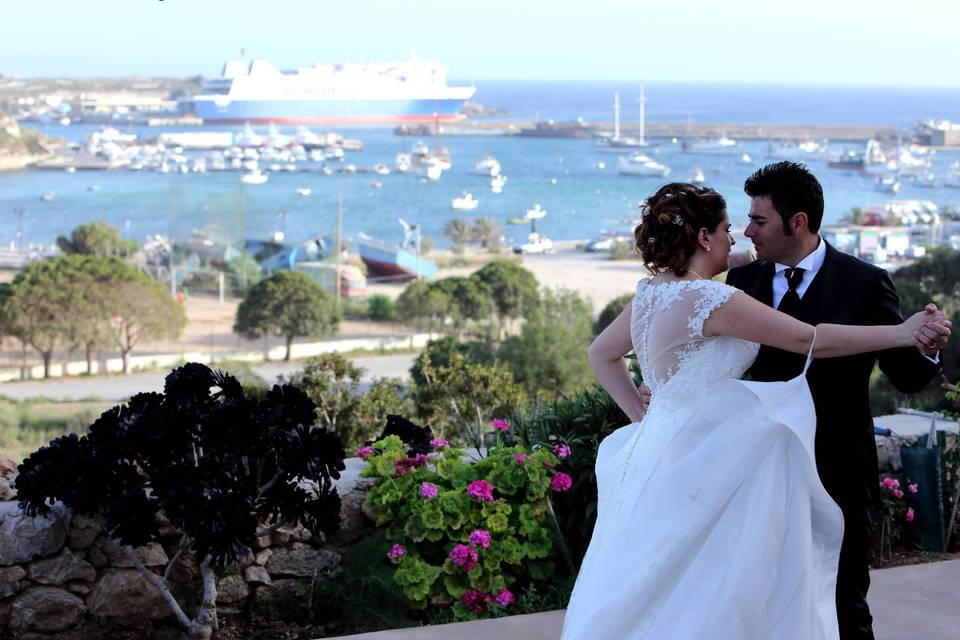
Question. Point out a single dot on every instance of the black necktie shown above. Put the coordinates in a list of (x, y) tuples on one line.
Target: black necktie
[(791, 299)]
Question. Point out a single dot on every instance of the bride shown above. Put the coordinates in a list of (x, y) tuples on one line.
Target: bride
[(712, 522)]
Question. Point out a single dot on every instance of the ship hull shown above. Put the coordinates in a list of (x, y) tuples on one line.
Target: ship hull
[(342, 112)]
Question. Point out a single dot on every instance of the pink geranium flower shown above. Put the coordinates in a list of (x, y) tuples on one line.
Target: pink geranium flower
[(428, 490), (439, 443), (562, 451), (896, 483), (909, 515), (475, 600), (561, 481), (500, 425), (364, 452), (521, 457), (480, 538), (897, 494), (402, 466), (480, 490), (396, 552), (504, 598), (912, 488), (887, 483), (464, 556)]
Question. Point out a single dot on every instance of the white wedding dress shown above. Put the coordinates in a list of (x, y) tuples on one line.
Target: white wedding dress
[(712, 522)]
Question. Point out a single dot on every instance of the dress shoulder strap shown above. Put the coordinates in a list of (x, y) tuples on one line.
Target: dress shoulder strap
[(810, 352)]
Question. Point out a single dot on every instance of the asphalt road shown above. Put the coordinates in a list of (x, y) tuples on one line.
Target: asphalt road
[(117, 388)]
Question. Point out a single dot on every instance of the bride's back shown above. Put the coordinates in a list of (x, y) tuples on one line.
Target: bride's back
[(666, 328)]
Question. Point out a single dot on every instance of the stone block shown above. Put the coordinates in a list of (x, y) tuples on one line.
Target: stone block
[(257, 575), (125, 595), (301, 560), (232, 590), (46, 609), (23, 538), (55, 570)]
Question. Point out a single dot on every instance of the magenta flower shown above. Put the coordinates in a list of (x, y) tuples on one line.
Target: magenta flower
[(396, 552), (364, 452), (439, 443), (521, 457), (897, 494), (428, 490), (888, 483), (504, 598), (475, 601), (909, 515), (402, 466), (896, 483), (480, 490), (500, 425), (464, 556), (912, 488), (561, 451), (480, 538), (561, 481)]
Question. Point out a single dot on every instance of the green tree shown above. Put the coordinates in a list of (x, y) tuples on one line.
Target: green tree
[(381, 307), (440, 353), (97, 239), (550, 354), (423, 306), (287, 304), (142, 309), (458, 232), (470, 299), (453, 399), (333, 382), (514, 290), (610, 312), (486, 231), (934, 278)]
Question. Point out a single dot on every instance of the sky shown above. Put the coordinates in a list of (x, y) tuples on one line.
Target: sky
[(846, 42)]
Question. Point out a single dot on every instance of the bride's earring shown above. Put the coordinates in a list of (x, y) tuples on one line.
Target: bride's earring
[(707, 247)]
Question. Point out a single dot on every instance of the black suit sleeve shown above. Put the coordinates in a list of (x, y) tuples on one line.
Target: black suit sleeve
[(907, 369)]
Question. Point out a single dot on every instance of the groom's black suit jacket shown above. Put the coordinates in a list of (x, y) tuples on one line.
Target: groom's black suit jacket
[(845, 290)]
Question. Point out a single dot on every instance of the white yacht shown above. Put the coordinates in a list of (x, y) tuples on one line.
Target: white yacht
[(487, 166), (641, 165), (465, 202), (254, 177)]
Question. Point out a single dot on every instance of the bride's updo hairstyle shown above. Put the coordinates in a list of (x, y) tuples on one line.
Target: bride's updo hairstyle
[(670, 221)]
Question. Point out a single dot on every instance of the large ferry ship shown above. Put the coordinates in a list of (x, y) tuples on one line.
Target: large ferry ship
[(343, 93)]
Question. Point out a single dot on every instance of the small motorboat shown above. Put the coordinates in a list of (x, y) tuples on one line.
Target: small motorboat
[(303, 191), (487, 166), (697, 177), (466, 202), (497, 183), (254, 177), (381, 169), (48, 196)]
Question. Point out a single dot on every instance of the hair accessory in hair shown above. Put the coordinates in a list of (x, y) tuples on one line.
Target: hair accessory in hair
[(677, 220), (651, 240), (668, 195)]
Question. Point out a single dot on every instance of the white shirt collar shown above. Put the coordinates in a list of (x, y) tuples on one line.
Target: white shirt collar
[(811, 263)]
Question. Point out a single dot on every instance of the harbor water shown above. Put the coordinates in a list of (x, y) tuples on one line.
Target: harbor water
[(575, 181)]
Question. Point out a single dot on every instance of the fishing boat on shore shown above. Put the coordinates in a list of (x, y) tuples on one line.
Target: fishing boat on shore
[(400, 262)]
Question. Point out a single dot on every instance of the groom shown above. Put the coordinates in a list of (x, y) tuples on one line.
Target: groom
[(797, 272)]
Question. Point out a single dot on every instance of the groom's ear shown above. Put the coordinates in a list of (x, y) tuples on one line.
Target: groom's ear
[(799, 222)]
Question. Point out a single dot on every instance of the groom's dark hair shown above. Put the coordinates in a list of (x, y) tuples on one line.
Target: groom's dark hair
[(791, 189)]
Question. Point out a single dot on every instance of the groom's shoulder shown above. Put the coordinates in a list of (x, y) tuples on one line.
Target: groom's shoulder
[(745, 273)]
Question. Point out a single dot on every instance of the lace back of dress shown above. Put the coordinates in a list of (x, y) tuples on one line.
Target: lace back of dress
[(667, 325)]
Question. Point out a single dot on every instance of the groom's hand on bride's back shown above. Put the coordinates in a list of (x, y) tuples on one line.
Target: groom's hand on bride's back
[(933, 335)]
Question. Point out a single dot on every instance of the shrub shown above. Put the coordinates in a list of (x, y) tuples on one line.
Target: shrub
[(465, 537), (578, 422), (610, 312), (894, 514), (381, 307), (222, 468)]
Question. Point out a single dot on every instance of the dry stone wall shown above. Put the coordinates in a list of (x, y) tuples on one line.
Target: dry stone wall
[(59, 574)]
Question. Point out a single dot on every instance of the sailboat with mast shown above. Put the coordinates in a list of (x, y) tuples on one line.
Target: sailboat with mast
[(618, 143)]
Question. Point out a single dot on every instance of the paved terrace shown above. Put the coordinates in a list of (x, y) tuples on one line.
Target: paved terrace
[(917, 602)]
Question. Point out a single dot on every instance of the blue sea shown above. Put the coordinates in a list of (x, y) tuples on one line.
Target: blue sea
[(573, 180)]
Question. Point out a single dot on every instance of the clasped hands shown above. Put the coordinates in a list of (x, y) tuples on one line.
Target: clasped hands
[(935, 332)]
